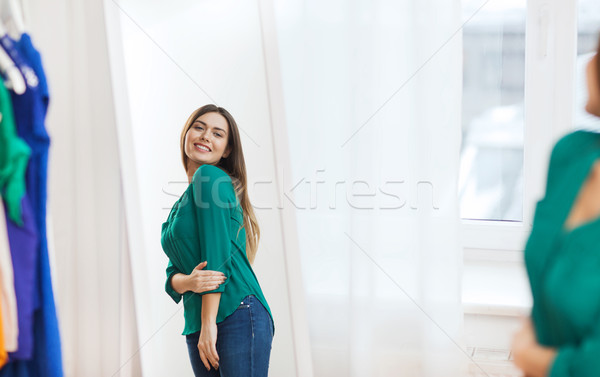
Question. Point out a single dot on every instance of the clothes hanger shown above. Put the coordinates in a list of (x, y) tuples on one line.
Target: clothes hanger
[(12, 15), (15, 81), (3, 30), (16, 16)]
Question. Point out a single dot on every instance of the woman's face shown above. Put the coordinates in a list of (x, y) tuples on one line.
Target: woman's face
[(206, 140), (593, 84)]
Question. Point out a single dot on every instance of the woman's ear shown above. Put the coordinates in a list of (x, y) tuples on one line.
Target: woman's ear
[(227, 151), (593, 84)]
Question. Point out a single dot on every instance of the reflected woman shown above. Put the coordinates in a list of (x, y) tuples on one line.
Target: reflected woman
[(562, 256), (228, 323)]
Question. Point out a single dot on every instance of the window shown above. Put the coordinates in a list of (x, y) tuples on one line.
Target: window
[(588, 23), (491, 171), (520, 82)]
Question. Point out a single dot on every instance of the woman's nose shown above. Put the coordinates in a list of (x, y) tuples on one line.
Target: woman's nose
[(204, 135)]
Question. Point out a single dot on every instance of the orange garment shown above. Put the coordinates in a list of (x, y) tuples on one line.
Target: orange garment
[(3, 353)]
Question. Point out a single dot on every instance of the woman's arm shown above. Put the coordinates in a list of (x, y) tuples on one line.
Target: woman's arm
[(208, 335), (532, 358), (214, 199), (179, 283), (198, 281), (571, 360), (536, 361)]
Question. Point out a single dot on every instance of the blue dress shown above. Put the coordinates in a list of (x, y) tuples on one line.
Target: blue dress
[(30, 110), (23, 242), (20, 224)]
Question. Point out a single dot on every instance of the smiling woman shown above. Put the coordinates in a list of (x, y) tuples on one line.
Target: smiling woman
[(228, 323), (206, 140), (213, 128)]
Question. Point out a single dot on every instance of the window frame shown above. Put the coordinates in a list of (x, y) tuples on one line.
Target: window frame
[(550, 58)]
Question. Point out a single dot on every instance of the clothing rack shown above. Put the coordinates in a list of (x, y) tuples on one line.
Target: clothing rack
[(29, 334)]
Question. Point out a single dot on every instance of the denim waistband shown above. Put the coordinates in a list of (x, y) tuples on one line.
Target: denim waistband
[(246, 300)]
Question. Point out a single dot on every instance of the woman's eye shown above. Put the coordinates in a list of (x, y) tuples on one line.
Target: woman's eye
[(218, 134), (198, 127)]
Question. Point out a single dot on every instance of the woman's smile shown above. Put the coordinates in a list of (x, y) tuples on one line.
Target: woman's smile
[(202, 148), (206, 140)]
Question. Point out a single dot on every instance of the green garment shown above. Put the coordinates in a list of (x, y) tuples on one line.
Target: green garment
[(205, 224), (14, 156), (564, 264)]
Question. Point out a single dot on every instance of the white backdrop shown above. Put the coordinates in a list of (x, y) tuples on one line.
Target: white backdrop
[(372, 94)]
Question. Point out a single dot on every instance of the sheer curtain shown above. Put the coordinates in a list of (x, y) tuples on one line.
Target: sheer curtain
[(372, 94)]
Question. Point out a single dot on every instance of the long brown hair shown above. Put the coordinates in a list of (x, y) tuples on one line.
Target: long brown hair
[(235, 166), (598, 62)]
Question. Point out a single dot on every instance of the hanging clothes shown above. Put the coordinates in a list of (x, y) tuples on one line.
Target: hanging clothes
[(34, 59), (3, 353), (14, 157), (30, 110), (47, 355), (8, 299), (8, 308), (22, 231), (24, 246)]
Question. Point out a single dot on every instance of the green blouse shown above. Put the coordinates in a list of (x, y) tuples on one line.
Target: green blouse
[(206, 224), (564, 265), (14, 157)]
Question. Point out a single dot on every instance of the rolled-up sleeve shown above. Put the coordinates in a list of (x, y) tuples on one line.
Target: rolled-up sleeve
[(171, 271), (214, 200)]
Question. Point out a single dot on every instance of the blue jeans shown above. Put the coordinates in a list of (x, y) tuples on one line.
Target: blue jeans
[(243, 343)]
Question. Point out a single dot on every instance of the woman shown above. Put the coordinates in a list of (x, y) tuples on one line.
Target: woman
[(562, 256), (228, 323)]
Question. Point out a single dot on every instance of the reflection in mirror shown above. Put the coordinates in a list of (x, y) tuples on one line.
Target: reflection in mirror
[(165, 64)]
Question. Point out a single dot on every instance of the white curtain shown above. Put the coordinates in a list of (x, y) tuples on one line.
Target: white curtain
[(372, 93), (86, 236), (381, 268)]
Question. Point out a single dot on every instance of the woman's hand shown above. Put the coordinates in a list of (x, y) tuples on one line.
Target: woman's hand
[(207, 345), (524, 339), (532, 358), (200, 281)]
